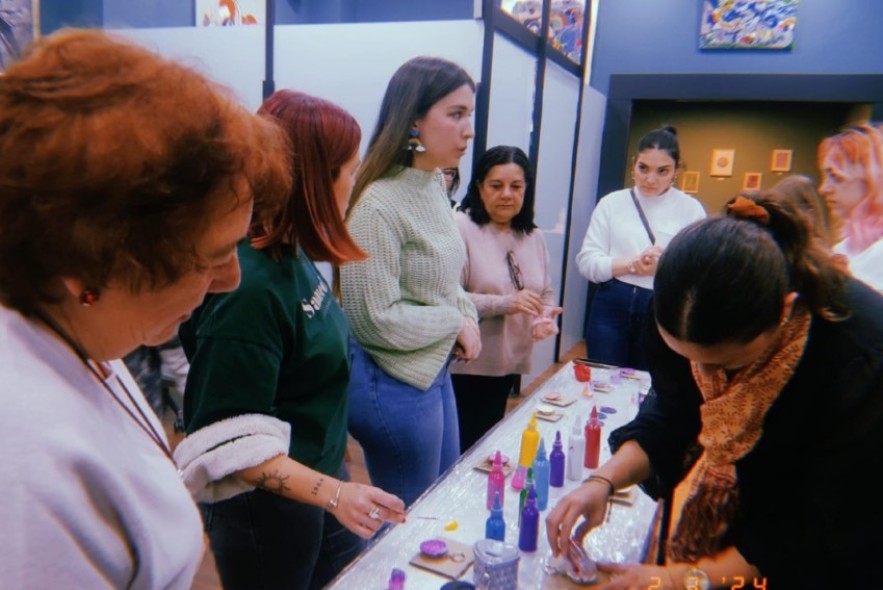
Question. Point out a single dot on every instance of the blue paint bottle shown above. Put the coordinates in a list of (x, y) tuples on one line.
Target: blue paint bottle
[(495, 527), (541, 473)]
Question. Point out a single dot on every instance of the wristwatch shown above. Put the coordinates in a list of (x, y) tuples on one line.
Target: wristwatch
[(696, 579)]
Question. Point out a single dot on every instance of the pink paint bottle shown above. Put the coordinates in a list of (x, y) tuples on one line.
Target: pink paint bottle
[(496, 482)]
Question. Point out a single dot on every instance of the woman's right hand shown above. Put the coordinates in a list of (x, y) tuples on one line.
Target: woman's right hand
[(589, 501), (526, 301), (363, 509)]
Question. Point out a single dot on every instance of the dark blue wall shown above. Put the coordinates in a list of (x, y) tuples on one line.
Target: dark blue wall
[(662, 37), (55, 14), (367, 11), (180, 13), (120, 14)]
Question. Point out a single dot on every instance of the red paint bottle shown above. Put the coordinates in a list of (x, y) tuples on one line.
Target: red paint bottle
[(593, 440)]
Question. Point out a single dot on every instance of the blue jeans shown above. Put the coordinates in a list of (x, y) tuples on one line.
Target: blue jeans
[(263, 540), (409, 436), (616, 324)]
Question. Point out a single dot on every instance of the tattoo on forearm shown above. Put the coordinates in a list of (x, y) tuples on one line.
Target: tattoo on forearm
[(317, 486), (273, 482)]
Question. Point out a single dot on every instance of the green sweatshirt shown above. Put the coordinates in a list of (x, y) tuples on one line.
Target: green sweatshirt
[(278, 346)]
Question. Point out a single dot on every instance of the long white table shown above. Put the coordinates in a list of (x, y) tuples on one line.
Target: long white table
[(459, 495)]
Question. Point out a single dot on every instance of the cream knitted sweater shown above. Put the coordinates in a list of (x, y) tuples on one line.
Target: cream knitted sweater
[(405, 302)]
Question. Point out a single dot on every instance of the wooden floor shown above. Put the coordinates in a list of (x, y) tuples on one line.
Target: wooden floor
[(207, 577)]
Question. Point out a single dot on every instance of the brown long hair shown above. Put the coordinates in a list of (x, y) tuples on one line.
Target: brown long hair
[(323, 138), (415, 87)]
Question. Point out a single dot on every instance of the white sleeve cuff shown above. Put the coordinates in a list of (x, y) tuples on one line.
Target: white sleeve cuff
[(209, 457)]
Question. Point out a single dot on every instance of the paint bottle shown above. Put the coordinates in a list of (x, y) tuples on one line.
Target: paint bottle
[(541, 474), (522, 498), (576, 451), (593, 440), (396, 580), (556, 462), (495, 527), (496, 481), (530, 438), (528, 530)]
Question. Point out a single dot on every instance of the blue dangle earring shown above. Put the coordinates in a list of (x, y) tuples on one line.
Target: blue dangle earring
[(414, 143)]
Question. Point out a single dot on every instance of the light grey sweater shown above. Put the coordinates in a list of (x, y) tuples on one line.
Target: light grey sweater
[(405, 302), (89, 500)]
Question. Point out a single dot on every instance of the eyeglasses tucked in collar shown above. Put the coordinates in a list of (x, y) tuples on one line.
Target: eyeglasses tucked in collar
[(514, 271)]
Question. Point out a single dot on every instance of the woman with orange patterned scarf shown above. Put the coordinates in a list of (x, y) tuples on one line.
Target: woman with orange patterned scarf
[(767, 360)]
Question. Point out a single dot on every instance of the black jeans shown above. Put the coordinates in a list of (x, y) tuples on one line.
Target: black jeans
[(262, 540), (481, 403)]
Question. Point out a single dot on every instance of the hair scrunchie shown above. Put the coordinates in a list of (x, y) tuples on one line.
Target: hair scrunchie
[(743, 208)]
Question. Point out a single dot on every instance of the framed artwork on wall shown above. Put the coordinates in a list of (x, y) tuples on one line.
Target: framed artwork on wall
[(226, 13), (19, 25), (752, 181), (690, 183), (781, 160), (722, 162), (749, 24)]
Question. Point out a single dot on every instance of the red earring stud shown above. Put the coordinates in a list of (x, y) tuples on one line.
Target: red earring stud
[(88, 297)]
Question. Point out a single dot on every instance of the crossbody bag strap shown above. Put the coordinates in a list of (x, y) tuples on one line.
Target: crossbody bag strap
[(643, 217)]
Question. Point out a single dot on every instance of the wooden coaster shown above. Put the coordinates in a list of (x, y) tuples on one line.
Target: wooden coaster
[(554, 417), (453, 565), (562, 402), (486, 465)]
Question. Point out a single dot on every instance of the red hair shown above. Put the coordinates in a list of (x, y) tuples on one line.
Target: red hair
[(860, 147), (115, 162), (323, 138)]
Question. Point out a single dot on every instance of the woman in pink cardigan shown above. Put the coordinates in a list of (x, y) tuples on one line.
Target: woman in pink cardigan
[(507, 278)]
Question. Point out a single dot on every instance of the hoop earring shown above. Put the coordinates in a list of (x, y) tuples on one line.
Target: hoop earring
[(414, 143), (88, 298)]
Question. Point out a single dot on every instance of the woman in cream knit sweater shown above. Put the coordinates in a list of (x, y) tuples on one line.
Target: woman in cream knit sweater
[(408, 313)]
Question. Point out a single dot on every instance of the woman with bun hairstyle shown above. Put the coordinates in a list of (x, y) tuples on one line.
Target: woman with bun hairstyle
[(628, 231)]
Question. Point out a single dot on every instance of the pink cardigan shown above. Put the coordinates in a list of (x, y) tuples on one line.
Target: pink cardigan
[(506, 342)]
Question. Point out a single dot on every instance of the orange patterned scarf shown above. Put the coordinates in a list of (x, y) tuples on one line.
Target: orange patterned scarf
[(732, 423)]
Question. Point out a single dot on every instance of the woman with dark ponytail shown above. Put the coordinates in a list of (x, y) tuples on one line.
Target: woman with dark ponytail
[(768, 361)]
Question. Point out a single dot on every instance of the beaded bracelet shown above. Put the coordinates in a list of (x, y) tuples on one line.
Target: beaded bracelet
[(611, 489), (333, 502), (602, 479)]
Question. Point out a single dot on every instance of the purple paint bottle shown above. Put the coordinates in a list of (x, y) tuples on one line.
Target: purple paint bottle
[(556, 459), (528, 531)]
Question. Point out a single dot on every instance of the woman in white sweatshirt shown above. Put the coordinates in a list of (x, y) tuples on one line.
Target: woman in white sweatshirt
[(627, 233)]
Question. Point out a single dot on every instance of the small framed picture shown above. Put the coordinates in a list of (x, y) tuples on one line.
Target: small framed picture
[(781, 160), (722, 162), (691, 183), (752, 181)]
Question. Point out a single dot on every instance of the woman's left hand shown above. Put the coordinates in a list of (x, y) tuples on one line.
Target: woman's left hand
[(546, 326), (636, 577), (645, 263)]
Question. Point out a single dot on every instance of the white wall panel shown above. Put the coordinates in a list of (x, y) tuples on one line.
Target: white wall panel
[(351, 64), (584, 197), (232, 56), (558, 132), (513, 83)]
